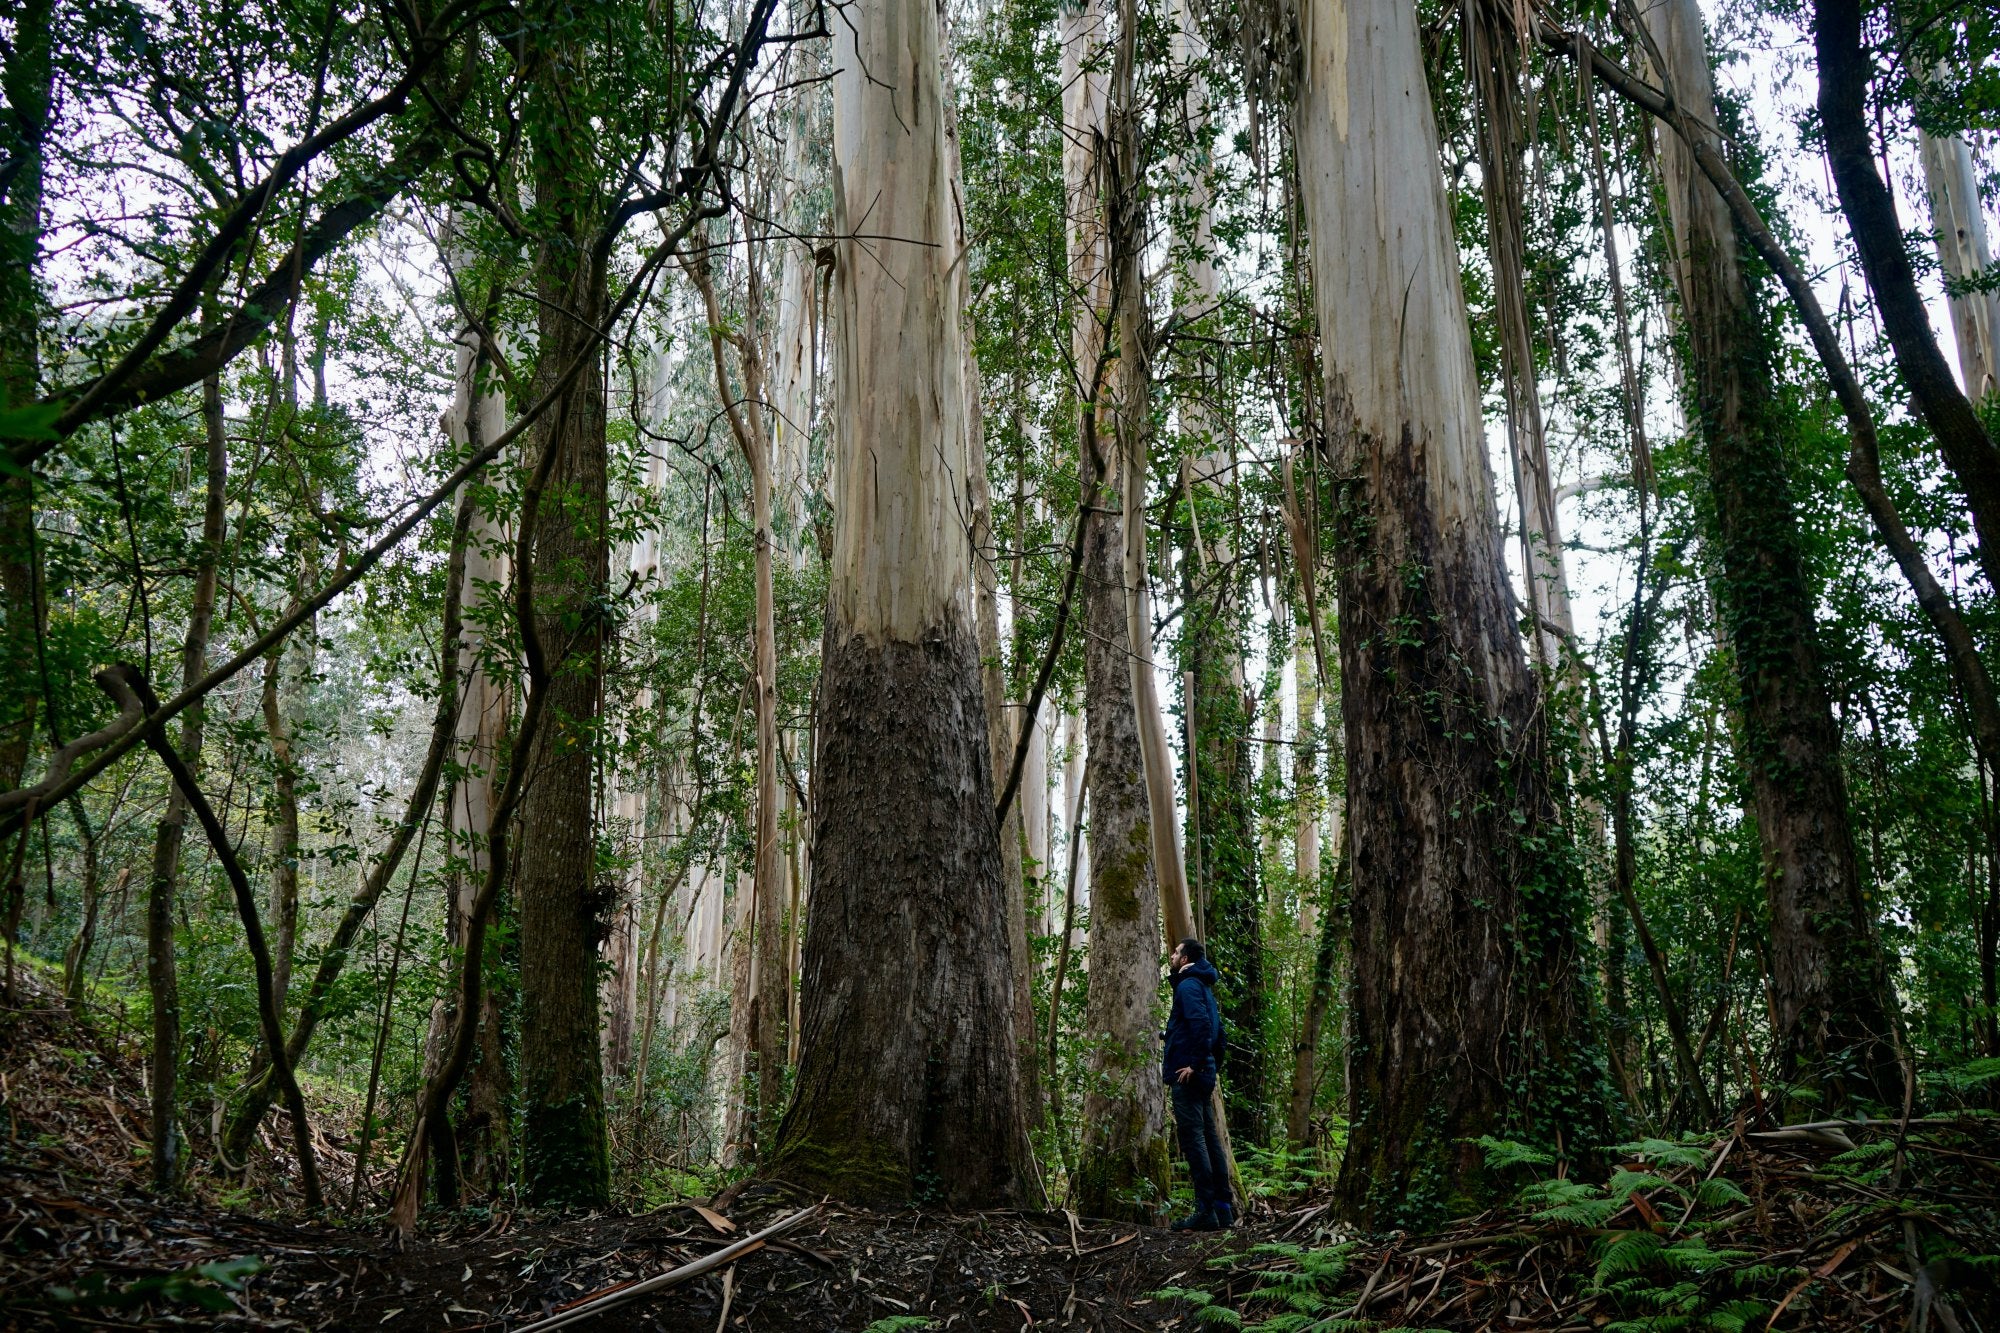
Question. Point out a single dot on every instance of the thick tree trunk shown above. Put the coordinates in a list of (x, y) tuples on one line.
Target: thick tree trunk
[(1959, 222), (1844, 68), (1123, 1156), (479, 748), (562, 905), (1467, 1008), (1837, 1025), (908, 1082), (27, 82)]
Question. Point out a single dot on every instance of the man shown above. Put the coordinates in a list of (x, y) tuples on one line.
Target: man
[(1194, 1032)]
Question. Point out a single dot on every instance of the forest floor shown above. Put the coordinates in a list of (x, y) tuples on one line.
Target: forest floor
[(1836, 1228)]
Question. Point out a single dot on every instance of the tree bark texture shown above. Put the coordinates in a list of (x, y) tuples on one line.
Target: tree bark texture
[(484, 1122), (1836, 1026), (27, 83), (1959, 221), (908, 1084), (1122, 1159), (562, 904), (1844, 67), (1467, 1005), (1495, 56)]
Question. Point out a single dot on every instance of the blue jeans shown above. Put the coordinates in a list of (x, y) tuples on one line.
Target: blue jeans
[(1208, 1163)]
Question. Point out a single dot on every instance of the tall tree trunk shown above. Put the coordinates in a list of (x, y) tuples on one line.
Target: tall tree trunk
[(27, 83), (908, 1081), (563, 1144), (1837, 1023), (764, 1039), (1123, 1157), (1001, 733), (1467, 1007), (1494, 55), (1844, 67), (163, 884), (479, 747), (1222, 828), (1959, 222)]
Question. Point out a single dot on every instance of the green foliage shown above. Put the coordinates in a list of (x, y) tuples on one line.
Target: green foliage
[(207, 1285), (901, 1323)]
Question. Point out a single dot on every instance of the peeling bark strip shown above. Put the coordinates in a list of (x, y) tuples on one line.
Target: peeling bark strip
[(908, 1082), (1468, 1013)]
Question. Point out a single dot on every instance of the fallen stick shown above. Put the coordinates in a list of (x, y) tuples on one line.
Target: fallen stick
[(708, 1263)]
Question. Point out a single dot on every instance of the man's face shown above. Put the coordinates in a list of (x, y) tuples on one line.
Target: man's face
[(1177, 961)]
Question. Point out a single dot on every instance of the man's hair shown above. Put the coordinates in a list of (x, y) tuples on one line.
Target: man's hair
[(1191, 950)]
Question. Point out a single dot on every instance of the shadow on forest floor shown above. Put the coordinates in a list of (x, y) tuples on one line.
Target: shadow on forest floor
[(1811, 1229)]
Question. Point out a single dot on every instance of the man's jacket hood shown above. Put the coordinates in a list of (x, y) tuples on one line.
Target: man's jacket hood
[(1201, 970), (1194, 1026)]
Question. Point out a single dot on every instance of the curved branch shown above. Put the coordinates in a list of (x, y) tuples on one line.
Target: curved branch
[(126, 684)]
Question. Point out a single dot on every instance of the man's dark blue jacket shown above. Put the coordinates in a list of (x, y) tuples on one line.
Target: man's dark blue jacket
[(1193, 1026)]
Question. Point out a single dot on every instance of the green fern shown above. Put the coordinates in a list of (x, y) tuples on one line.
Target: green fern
[(1504, 1153), (1970, 1076), (1719, 1193), (1569, 1203), (1626, 1183), (901, 1323), (1690, 1150)]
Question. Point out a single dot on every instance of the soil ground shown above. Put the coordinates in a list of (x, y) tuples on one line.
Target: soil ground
[(1859, 1228)]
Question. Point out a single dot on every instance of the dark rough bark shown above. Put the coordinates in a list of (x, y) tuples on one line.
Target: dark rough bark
[(564, 1150), (1124, 1151), (1844, 67), (1467, 1006), (907, 1085), (1835, 1012), (27, 84)]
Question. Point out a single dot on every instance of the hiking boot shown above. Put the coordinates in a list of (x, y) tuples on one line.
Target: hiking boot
[(1199, 1220), (1224, 1216)]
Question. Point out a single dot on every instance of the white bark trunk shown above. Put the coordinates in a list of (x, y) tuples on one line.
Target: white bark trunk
[(1960, 226)]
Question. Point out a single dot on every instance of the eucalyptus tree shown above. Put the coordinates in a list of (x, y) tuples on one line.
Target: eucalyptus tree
[(1468, 1012), (1123, 1149), (1836, 1022), (908, 1080)]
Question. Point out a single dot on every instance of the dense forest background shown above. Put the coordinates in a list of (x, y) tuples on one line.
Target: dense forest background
[(1482, 512)]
